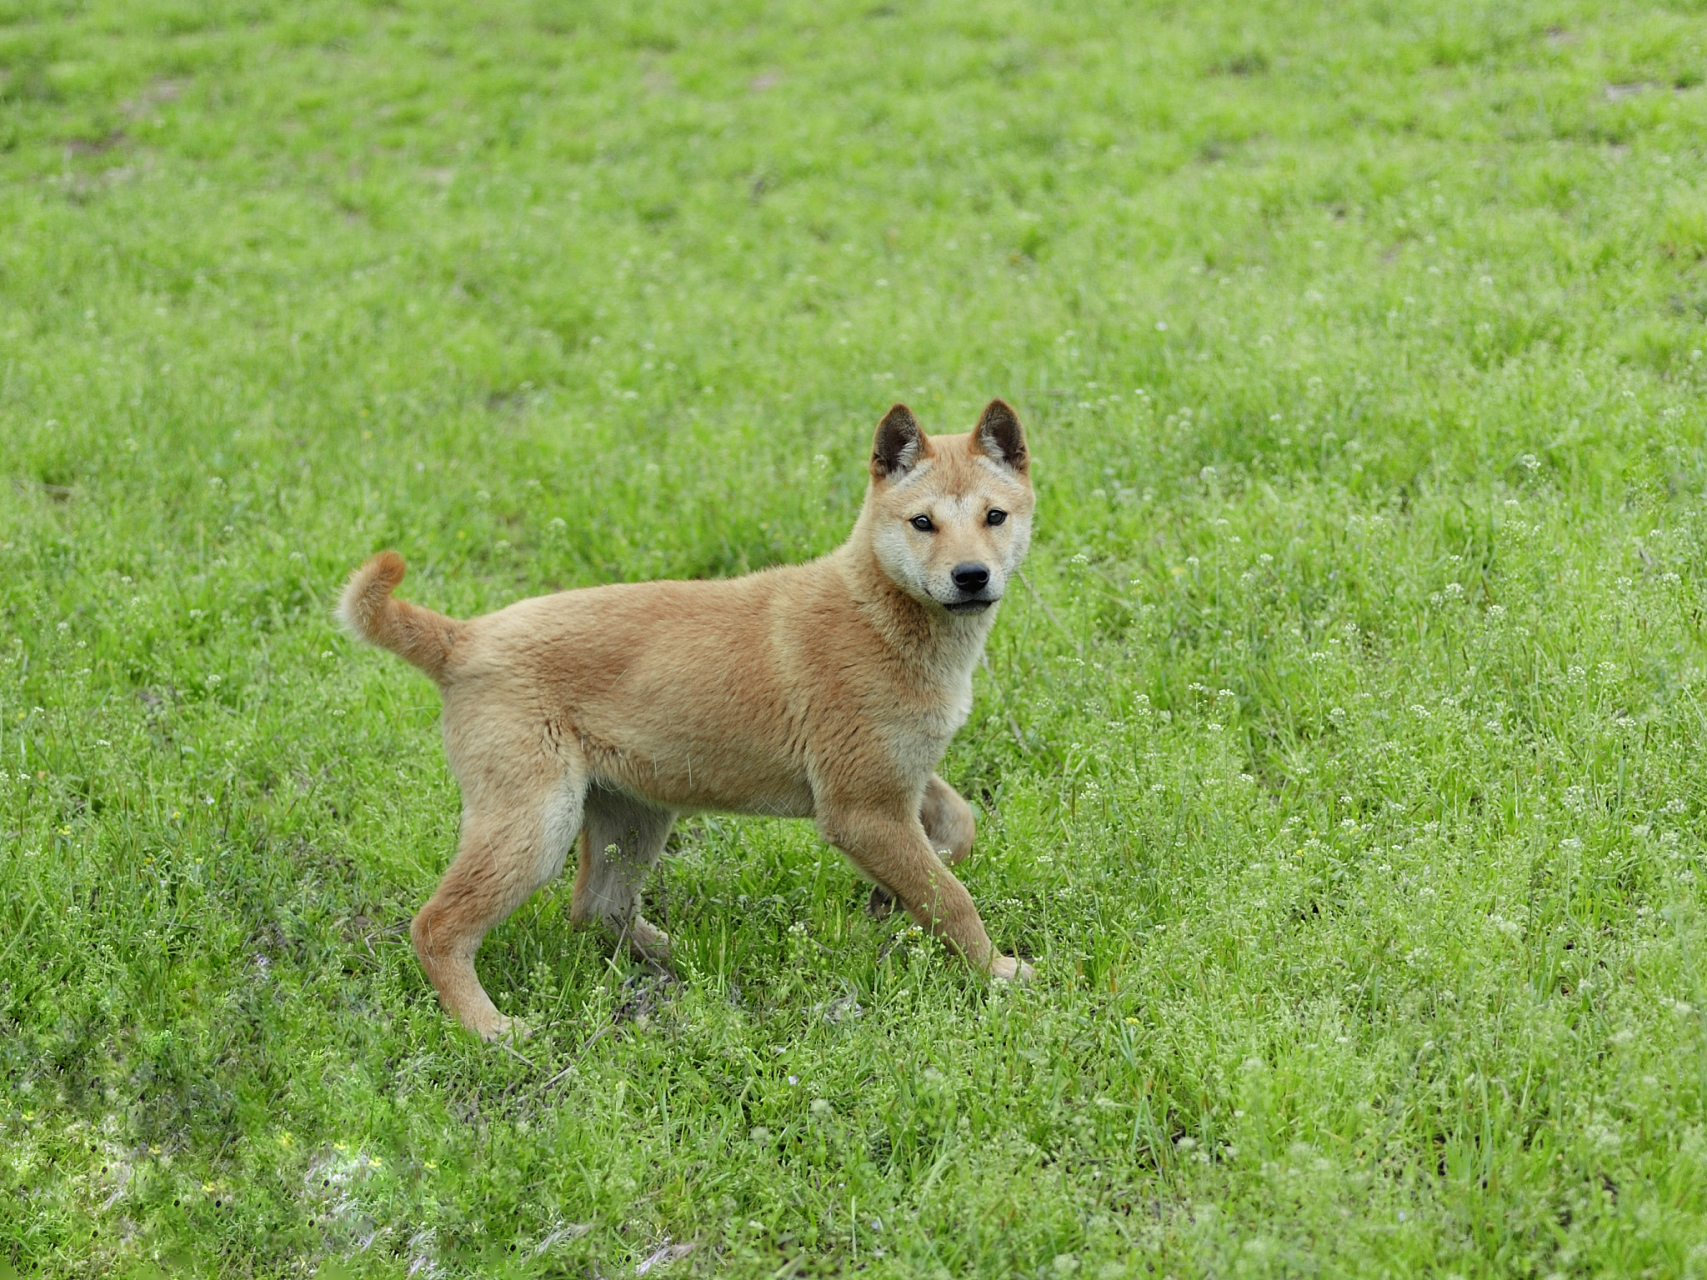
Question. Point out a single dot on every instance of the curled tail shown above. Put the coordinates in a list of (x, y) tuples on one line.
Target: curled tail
[(368, 611)]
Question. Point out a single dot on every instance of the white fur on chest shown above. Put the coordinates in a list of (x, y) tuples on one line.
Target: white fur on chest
[(919, 739)]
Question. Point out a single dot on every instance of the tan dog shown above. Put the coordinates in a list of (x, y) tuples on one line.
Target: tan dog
[(826, 690)]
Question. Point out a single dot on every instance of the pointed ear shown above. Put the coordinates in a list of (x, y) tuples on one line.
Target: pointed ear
[(999, 437), (898, 445)]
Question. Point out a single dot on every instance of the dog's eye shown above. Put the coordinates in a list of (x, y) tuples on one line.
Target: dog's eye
[(922, 524), (996, 516)]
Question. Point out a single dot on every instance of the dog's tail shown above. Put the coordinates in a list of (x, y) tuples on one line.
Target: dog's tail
[(368, 612)]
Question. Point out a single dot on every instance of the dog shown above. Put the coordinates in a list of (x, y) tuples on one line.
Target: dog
[(827, 690)]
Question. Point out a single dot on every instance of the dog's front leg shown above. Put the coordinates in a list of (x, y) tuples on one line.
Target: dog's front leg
[(893, 850), (948, 824)]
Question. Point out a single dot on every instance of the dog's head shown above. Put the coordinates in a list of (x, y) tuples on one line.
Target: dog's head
[(950, 518)]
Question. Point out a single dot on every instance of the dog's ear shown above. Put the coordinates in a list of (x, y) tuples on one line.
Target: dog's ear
[(898, 445), (999, 437)]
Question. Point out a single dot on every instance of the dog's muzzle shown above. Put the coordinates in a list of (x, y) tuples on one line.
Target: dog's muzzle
[(972, 580), (970, 577)]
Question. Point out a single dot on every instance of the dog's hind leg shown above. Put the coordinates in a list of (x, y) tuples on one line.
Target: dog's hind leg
[(620, 844), (516, 832), (948, 824)]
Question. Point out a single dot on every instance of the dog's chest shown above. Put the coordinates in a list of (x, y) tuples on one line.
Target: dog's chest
[(922, 730)]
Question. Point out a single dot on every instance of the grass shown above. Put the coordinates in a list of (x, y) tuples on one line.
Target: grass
[(1339, 769)]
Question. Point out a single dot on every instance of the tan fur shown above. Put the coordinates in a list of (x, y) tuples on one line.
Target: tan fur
[(826, 690)]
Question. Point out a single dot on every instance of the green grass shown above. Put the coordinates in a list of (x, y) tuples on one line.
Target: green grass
[(1339, 765)]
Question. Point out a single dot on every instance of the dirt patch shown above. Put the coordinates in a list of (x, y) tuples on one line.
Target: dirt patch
[(159, 92)]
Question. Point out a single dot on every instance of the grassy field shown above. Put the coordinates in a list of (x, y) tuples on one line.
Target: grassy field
[(1337, 765)]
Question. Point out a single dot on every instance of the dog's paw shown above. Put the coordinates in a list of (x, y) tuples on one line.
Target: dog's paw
[(500, 1028), (1010, 969), (648, 943), (881, 904)]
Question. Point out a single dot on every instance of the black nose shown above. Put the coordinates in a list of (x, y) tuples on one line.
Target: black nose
[(971, 577)]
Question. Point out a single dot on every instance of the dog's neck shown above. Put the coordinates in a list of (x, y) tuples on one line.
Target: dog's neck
[(941, 646)]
